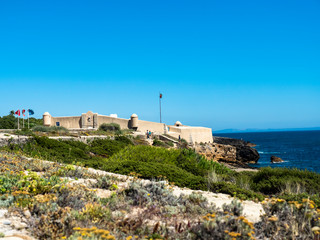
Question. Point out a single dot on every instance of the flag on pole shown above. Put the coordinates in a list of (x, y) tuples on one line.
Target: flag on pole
[(23, 111), (30, 111), (160, 95), (17, 112)]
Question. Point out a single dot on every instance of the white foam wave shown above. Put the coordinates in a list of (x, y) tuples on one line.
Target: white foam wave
[(269, 152)]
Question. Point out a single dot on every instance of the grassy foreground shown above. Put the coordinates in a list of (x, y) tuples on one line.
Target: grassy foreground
[(60, 209), (182, 166), (71, 202)]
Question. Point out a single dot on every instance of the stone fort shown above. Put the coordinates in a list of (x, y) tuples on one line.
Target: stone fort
[(92, 120)]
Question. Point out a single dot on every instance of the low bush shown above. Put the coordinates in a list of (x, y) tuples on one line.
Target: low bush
[(234, 190), (274, 180), (289, 220), (109, 127), (51, 149), (151, 170), (52, 129), (159, 143), (107, 148)]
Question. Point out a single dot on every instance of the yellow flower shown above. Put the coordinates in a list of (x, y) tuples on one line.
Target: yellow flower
[(129, 238), (234, 234), (273, 219)]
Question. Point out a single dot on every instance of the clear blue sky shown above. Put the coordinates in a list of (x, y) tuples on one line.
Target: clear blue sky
[(220, 64)]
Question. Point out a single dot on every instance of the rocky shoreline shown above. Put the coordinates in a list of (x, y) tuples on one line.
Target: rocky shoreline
[(233, 152)]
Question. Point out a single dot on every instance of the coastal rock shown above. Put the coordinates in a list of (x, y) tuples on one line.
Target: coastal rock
[(275, 159), (217, 152), (244, 152), (228, 150)]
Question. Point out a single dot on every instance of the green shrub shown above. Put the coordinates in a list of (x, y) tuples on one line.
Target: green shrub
[(123, 139), (158, 143), (107, 147), (233, 190), (11, 122), (151, 170), (52, 129), (51, 149), (300, 197), (109, 127), (274, 180)]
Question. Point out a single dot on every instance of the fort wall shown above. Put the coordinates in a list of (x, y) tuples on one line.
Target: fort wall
[(92, 120), (143, 126), (67, 122), (191, 134)]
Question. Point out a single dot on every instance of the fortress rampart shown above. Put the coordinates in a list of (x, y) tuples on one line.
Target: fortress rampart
[(92, 120)]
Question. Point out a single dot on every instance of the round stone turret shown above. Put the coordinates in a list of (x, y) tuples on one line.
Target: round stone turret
[(47, 119), (178, 124), (134, 121)]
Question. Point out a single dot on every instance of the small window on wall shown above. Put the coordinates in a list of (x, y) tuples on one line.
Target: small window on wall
[(58, 124)]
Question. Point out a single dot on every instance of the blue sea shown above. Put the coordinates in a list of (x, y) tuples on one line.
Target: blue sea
[(298, 149)]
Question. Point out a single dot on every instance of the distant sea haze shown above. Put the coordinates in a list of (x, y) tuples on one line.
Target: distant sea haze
[(298, 149), (233, 130)]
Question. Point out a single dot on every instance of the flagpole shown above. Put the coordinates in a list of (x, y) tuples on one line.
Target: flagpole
[(23, 123), (28, 118), (160, 106), (18, 122)]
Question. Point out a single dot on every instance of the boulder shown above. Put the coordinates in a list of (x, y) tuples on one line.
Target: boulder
[(234, 152), (244, 152), (275, 159)]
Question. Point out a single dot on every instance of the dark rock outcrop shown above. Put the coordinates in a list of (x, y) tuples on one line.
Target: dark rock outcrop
[(244, 152), (275, 159)]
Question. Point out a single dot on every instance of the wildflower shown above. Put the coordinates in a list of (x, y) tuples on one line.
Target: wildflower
[(316, 228), (129, 238), (234, 234), (273, 219)]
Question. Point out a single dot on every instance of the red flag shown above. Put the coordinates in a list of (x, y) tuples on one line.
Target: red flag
[(160, 95), (17, 112), (23, 111)]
